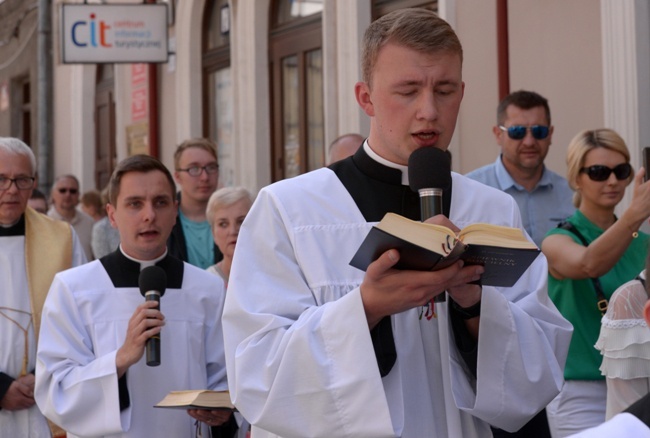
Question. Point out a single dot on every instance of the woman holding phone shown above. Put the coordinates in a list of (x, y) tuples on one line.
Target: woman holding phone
[(588, 259)]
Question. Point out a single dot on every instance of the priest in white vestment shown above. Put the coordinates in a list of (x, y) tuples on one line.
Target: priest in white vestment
[(92, 376), (317, 348), (33, 248)]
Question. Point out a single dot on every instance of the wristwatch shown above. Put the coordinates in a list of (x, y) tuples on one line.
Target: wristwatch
[(466, 313)]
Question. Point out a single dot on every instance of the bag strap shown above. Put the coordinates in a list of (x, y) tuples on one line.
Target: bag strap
[(642, 280), (600, 295)]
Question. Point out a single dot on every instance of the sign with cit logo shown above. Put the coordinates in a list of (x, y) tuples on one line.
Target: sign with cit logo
[(113, 33)]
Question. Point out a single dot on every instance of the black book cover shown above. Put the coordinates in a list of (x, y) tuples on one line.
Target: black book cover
[(503, 266)]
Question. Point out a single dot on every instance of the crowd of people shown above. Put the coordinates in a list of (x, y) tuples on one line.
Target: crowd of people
[(258, 296)]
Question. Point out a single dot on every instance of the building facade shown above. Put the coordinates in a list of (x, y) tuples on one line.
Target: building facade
[(272, 81)]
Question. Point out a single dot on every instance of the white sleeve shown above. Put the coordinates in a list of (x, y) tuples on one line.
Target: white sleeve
[(523, 339), (522, 349), (214, 346), (621, 425), (78, 253), (75, 389), (287, 357)]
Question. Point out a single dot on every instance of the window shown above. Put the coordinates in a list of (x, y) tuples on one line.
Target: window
[(297, 116), (383, 7), (290, 10), (217, 82), (21, 123), (105, 151)]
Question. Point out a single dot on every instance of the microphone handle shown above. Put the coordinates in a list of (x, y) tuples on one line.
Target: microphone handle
[(152, 347), (431, 205)]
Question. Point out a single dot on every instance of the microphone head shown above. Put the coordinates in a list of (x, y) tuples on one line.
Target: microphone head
[(429, 167), (152, 278)]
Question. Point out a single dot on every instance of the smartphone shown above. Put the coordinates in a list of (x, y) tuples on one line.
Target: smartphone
[(646, 162)]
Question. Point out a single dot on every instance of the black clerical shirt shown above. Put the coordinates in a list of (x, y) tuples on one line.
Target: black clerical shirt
[(377, 189)]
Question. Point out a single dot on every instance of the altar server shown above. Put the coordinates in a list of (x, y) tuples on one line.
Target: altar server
[(317, 348), (92, 378)]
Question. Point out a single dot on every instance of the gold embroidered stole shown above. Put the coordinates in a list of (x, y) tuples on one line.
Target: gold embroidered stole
[(48, 250)]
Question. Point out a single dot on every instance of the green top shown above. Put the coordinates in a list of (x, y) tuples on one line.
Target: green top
[(576, 299), (198, 241)]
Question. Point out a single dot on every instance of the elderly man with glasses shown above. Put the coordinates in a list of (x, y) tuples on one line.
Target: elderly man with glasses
[(524, 133), (33, 248), (197, 174)]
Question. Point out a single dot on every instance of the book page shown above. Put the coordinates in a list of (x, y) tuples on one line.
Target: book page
[(436, 238), (495, 235), (196, 399)]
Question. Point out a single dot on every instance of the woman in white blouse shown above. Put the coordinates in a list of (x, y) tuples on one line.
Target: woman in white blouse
[(624, 342)]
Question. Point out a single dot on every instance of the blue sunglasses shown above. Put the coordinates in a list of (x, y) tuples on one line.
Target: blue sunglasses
[(517, 132)]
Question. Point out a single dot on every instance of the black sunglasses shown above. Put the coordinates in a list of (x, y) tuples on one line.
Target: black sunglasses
[(517, 132), (64, 190), (602, 173)]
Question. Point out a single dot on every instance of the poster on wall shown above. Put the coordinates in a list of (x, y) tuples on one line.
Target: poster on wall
[(105, 33), (137, 138)]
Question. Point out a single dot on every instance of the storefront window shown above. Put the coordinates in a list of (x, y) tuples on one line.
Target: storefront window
[(297, 88), (218, 100)]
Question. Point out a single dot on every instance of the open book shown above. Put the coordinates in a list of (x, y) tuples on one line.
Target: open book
[(505, 252), (197, 399)]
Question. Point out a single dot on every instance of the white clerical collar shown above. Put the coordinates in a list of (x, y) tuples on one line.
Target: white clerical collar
[(144, 263), (372, 154)]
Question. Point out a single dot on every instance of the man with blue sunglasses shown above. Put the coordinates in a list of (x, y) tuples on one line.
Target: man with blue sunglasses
[(524, 133)]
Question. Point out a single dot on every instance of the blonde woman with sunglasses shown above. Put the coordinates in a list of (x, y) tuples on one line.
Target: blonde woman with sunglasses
[(613, 253)]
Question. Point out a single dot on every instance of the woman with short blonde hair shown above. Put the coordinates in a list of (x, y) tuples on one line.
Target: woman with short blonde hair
[(583, 276), (226, 210)]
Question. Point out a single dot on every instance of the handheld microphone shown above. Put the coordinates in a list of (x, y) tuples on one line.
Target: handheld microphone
[(153, 282), (430, 174)]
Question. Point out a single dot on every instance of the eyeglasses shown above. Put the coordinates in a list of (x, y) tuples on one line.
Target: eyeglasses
[(64, 190), (210, 169), (602, 173), (22, 183), (517, 132)]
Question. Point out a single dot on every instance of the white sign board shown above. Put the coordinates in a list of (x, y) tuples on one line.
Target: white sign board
[(101, 33)]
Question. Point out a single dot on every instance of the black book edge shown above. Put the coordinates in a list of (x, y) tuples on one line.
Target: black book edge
[(412, 256)]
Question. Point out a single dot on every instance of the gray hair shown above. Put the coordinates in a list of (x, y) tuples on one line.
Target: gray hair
[(225, 197), (15, 146)]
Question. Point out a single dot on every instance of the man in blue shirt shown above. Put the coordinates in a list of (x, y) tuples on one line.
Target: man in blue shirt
[(524, 132)]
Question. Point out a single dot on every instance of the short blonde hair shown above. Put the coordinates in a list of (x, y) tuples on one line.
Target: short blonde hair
[(415, 28), (586, 141), (225, 197)]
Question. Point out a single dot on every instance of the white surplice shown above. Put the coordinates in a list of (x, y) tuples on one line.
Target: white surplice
[(620, 425), (14, 295), (84, 323), (299, 354)]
